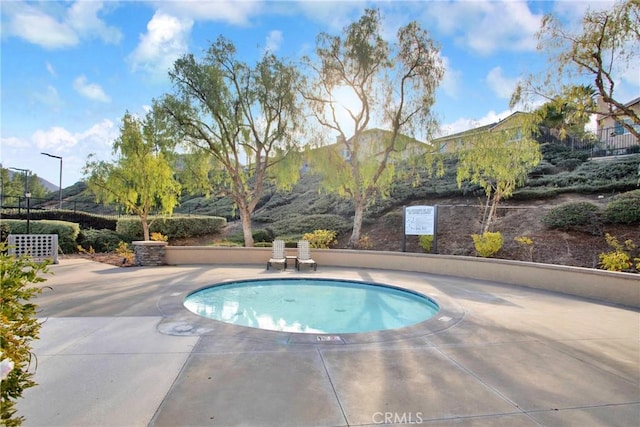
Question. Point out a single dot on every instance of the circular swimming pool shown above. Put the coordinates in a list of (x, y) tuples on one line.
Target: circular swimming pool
[(312, 305)]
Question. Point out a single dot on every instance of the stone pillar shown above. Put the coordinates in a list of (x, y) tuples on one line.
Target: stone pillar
[(149, 252)]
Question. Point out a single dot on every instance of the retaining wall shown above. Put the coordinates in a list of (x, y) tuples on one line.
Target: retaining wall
[(612, 287)]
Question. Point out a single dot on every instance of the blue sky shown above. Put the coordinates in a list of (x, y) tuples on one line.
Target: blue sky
[(71, 69)]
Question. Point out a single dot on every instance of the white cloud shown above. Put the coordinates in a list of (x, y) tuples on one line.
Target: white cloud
[(486, 26), (165, 41), (35, 26), (54, 138), (14, 142), (502, 86), (230, 11), (273, 42), (83, 18), (90, 90), (57, 27), (465, 123)]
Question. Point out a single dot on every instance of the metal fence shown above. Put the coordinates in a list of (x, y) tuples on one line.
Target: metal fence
[(614, 141)]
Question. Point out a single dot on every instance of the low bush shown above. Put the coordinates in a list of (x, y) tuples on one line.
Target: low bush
[(488, 243), (104, 240), (623, 256), (130, 228), (320, 239), (426, 242), (580, 216), (67, 231), (624, 208), (262, 235)]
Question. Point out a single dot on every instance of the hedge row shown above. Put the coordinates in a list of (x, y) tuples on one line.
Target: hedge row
[(67, 231), (175, 227)]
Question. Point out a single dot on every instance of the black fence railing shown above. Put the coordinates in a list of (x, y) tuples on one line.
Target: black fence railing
[(605, 142)]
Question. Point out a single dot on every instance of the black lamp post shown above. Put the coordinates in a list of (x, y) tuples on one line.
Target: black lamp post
[(27, 195), (60, 182)]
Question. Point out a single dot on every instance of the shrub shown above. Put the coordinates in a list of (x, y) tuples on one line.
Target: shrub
[(620, 259), (20, 327), (99, 240), (125, 251), (426, 241), (320, 239), (158, 237), (261, 235), (487, 244), (624, 208), (526, 243), (365, 242), (580, 216), (67, 231)]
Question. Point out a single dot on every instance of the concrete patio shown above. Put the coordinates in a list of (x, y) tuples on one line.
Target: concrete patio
[(118, 349)]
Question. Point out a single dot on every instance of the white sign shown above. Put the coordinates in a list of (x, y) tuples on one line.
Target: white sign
[(419, 220)]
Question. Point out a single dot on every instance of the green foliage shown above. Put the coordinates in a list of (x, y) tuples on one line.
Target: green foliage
[(300, 224), (499, 162), (320, 239), (487, 244), (261, 236), (360, 62), (67, 231), (103, 240), (624, 208), (426, 241), (580, 216), (620, 259), (158, 237), (124, 250), (4, 232), (141, 180), (19, 326), (84, 219), (130, 228), (240, 123)]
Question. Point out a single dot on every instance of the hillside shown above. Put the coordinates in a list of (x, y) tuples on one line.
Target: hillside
[(562, 177)]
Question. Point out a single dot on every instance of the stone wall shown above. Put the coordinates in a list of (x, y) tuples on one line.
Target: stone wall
[(149, 253)]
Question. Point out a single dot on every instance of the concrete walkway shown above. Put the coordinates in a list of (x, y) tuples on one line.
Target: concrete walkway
[(118, 349)]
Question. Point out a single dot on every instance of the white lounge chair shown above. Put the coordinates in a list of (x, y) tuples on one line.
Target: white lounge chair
[(277, 257), (304, 256)]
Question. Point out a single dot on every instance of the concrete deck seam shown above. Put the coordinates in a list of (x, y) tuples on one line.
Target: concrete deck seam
[(335, 393), (173, 384), (587, 362), (485, 384)]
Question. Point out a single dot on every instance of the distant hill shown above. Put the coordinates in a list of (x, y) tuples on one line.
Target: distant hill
[(46, 184)]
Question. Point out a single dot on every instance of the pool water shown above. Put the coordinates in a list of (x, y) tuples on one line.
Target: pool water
[(312, 305)]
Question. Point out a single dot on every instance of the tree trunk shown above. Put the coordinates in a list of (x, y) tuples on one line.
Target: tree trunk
[(354, 240), (145, 228), (245, 217), (492, 212)]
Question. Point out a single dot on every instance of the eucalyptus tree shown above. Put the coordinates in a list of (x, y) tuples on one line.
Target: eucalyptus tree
[(141, 178), (390, 85), (604, 49), (240, 124)]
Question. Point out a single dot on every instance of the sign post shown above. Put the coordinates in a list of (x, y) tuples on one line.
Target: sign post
[(419, 221)]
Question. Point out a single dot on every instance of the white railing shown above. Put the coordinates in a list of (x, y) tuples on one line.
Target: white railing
[(36, 246)]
